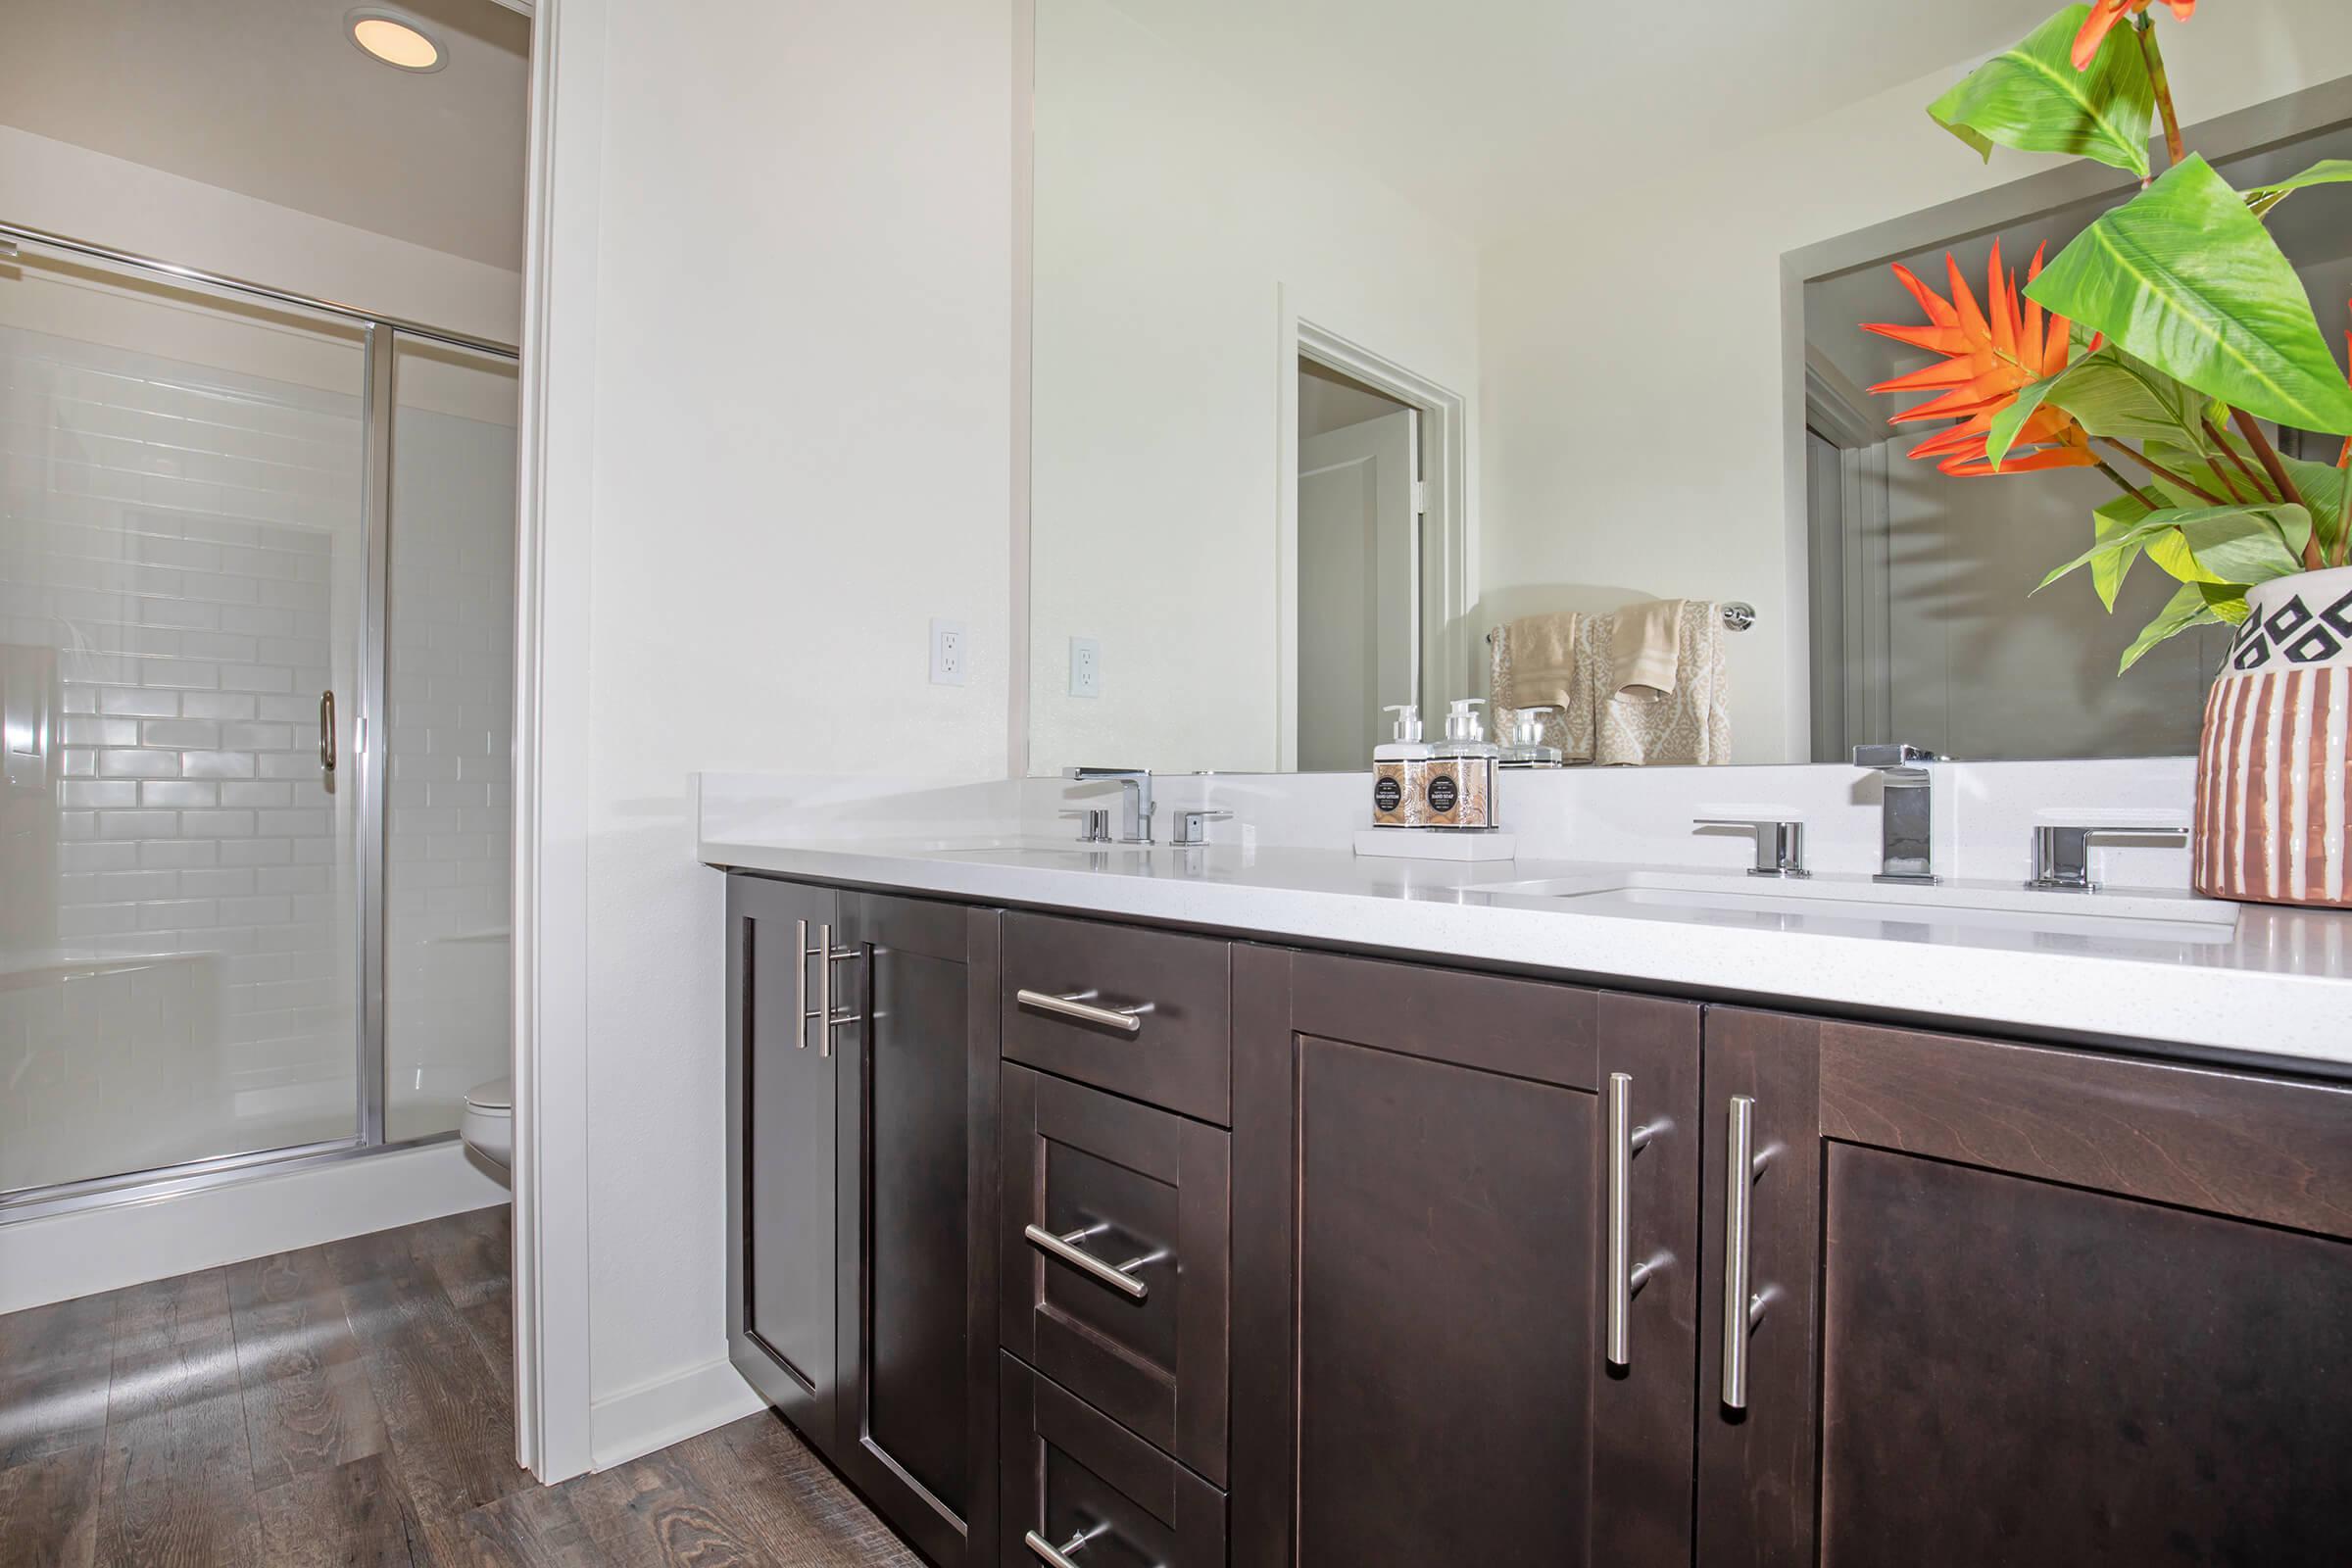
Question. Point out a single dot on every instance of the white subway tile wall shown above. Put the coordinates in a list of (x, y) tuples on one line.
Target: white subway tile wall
[(178, 979)]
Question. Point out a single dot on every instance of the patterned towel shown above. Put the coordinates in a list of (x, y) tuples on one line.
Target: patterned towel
[(1691, 725)]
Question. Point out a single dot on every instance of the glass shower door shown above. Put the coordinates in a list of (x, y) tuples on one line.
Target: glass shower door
[(449, 621), (183, 597)]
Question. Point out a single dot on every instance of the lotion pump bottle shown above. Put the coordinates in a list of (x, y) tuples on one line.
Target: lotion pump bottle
[(1460, 786), (1397, 769)]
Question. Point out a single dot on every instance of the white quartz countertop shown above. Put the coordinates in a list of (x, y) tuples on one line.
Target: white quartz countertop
[(2174, 970)]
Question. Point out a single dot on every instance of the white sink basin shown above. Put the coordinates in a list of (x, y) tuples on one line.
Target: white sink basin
[(1841, 903)]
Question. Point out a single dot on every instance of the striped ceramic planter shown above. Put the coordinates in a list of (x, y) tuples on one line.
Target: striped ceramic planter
[(2273, 777)]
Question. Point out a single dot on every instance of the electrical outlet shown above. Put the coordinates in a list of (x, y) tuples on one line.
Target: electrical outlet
[(951, 653), (1085, 667)]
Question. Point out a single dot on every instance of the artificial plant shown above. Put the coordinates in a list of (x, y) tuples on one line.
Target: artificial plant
[(2151, 348)]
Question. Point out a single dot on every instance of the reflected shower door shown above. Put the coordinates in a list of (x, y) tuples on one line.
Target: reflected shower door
[(450, 643), (182, 579)]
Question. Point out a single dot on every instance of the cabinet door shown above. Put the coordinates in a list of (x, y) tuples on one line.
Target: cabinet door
[(781, 1092), (2021, 1306), (1423, 1251), (919, 1185)]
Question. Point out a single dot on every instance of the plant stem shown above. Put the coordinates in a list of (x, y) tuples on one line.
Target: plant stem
[(2123, 484), (2237, 495), (2248, 427), (2161, 471), (2266, 455), (2145, 28), (2230, 452)]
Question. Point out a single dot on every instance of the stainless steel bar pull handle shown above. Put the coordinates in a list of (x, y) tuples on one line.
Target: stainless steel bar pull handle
[(326, 731), (1079, 1005), (1743, 1305), (1115, 1275), (1625, 1141), (1062, 1556), (823, 1011)]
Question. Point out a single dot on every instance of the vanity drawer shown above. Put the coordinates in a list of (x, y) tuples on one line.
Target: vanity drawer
[(1141, 1013), (1075, 1484), (1116, 1258)]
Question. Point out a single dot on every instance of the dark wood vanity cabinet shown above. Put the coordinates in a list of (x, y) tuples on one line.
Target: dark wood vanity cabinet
[(782, 1089), (1437, 1180), (862, 1161), (1060, 1236), (2020, 1304)]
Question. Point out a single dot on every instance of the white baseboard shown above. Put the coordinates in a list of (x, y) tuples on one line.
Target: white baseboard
[(65, 1256), (652, 1415)]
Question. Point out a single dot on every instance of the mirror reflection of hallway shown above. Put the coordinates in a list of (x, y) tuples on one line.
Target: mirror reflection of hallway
[(1359, 543)]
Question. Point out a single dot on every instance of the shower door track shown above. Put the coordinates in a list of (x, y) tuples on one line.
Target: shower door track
[(380, 335)]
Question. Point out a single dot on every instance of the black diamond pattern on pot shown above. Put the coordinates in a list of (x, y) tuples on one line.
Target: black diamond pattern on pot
[(2287, 619), (2249, 649), (2339, 615), (2313, 646)]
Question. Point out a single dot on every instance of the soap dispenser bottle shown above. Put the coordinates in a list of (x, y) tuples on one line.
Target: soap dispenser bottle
[(1398, 766), (1460, 785)]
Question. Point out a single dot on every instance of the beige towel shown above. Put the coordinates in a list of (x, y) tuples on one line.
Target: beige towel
[(1549, 662), (1687, 726), (1645, 652), (1542, 657), (1690, 725)]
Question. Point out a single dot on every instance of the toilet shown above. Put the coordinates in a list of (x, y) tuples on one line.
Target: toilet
[(488, 1122)]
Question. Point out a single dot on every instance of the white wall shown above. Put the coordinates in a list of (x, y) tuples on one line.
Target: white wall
[(1177, 220), (1635, 373), (798, 304)]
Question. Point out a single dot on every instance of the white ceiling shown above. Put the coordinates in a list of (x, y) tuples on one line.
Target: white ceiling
[(270, 98), (1467, 105)]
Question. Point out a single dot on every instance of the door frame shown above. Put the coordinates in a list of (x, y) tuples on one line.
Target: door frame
[(553, 534), (1449, 585)]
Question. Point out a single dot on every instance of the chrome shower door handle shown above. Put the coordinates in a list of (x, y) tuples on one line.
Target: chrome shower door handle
[(1625, 1141), (326, 731), (1743, 1305)]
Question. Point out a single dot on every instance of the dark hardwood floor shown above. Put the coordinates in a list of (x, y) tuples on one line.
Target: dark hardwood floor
[(351, 1404)]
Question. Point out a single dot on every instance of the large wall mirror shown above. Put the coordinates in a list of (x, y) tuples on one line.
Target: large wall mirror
[(1322, 415)]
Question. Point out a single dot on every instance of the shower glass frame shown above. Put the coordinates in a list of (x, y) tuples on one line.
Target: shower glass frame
[(381, 337)]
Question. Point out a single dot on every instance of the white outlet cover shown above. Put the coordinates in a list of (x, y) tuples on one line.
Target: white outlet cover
[(1085, 667), (951, 653)]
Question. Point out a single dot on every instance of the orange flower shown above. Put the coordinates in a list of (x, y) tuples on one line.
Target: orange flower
[(2105, 14), (1986, 364)]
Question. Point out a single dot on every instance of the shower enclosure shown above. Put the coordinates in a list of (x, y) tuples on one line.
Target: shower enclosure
[(257, 674)]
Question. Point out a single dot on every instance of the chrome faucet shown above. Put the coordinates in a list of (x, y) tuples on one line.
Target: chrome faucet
[(1779, 844), (1906, 847), (1135, 813), (2062, 854)]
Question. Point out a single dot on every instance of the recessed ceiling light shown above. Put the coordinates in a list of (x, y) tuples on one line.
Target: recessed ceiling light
[(395, 39)]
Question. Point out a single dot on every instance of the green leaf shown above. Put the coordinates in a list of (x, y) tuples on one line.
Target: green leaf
[(2248, 548), (2322, 486), (2184, 610), (2110, 523), (2227, 601), (2011, 419), (2109, 393), (2239, 544), (2031, 97), (2185, 278), (2327, 172)]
